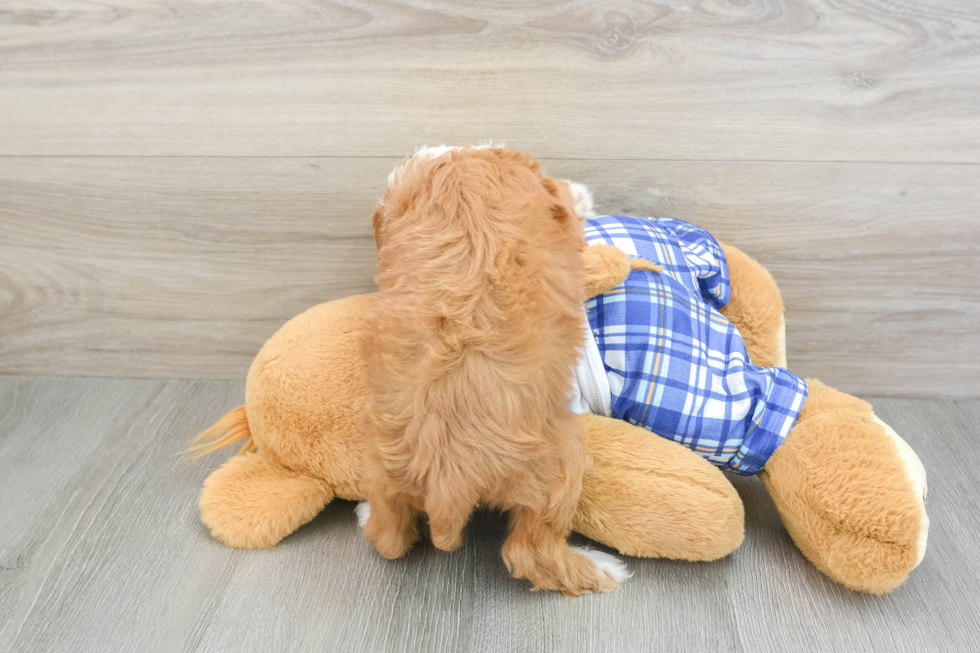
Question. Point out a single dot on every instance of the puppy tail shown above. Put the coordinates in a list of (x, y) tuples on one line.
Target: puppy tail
[(230, 428)]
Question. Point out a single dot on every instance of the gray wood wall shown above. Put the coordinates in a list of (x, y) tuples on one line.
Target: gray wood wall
[(178, 179)]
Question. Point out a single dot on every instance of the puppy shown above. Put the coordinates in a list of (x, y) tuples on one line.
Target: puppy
[(470, 347)]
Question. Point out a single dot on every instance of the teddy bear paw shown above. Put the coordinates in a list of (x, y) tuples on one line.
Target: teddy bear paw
[(583, 200)]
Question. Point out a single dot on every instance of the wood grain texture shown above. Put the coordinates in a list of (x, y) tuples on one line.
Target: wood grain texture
[(855, 80), (102, 549), (148, 267)]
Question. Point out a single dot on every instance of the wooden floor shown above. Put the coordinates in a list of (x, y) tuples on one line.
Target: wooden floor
[(101, 550)]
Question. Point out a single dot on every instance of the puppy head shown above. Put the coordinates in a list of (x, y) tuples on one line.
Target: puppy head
[(484, 183)]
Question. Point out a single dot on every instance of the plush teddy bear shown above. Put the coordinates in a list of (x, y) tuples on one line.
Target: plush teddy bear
[(849, 490)]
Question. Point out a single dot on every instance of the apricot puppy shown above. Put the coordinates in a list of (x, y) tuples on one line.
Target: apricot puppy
[(470, 347)]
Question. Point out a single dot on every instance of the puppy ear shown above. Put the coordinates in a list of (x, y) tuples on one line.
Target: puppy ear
[(377, 221), (557, 208), (563, 208), (560, 212), (551, 186)]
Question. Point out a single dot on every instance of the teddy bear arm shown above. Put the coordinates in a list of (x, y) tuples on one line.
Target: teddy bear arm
[(755, 308), (605, 268)]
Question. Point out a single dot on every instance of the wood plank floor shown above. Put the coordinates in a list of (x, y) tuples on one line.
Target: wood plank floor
[(101, 549)]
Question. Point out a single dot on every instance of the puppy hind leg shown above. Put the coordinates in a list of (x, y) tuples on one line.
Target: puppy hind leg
[(449, 507), (391, 525), (536, 550)]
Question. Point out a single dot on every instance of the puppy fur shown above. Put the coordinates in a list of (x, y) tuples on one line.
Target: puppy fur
[(469, 350)]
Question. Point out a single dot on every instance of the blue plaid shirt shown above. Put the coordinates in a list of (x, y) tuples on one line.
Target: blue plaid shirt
[(675, 365)]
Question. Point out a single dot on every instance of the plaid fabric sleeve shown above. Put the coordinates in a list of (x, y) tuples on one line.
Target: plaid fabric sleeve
[(674, 364), (705, 258), (772, 420)]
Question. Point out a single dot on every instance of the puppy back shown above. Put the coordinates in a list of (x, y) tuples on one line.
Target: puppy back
[(479, 316)]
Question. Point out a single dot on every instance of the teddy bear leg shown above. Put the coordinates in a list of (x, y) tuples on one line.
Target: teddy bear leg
[(650, 497), (251, 502), (756, 309), (850, 492)]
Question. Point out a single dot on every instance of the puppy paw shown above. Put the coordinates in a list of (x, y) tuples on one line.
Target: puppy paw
[(611, 566), (363, 512)]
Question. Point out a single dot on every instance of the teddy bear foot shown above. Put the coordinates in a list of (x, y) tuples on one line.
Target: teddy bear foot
[(251, 502), (649, 497), (850, 492)]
